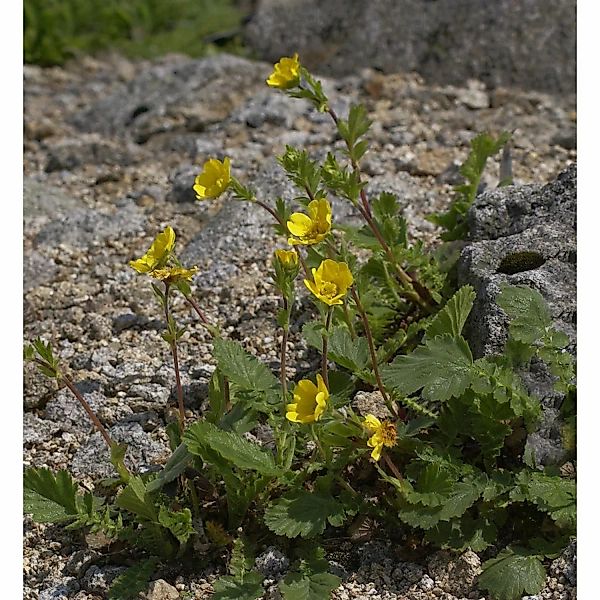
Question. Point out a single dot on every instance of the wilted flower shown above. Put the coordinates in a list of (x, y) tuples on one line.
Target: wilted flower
[(331, 281), (174, 274), (312, 228), (310, 401), (384, 434), (157, 254), (286, 73), (214, 179)]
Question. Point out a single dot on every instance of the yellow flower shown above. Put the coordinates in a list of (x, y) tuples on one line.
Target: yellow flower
[(384, 434), (214, 179), (310, 401), (287, 258), (311, 228), (331, 282), (286, 73), (174, 274), (157, 254)]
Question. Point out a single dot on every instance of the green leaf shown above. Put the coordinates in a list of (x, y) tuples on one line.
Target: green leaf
[(308, 586), (442, 367), (136, 499), (242, 558), (230, 588), (303, 171), (302, 513), (216, 397), (346, 352), (129, 584), (179, 523), (309, 580), (229, 445), (49, 498), (241, 368), (465, 533), (174, 467), (551, 493), (155, 539), (482, 147), (463, 495), (451, 319), (117, 458), (312, 333), (527, 310), (512, 574)]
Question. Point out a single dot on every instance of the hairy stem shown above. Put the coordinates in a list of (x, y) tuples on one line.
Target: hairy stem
[(173, 345), (198, 310), (392, 466), (317, 441), (88, 410), (284, 341), (324, 373), (365, 211), (349, 322), (367, 328), (271, 212)]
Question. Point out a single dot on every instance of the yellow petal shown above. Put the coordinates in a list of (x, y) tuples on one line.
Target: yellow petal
[(299, 224), (372, 422), (376, 454)]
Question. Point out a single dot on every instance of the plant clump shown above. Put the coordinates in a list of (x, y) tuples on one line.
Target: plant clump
[(448, 461)]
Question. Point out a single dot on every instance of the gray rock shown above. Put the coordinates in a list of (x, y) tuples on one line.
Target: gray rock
[(84, 227), (274, 109), (60, 591), (182, 183), (125, 321), (37, 270), (87, 150), (161, 590), (98, 579), (272, 563), (92, 459), (66, 411), (173, 95), (43, 202), (528, 44), (504, 224), (36, 430), (510, 210), (79, 562), (38, 389)]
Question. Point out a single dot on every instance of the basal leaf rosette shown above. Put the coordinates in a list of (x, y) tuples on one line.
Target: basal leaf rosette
[(331, 282), (311, 228), (214, 179), (286, 73), (310, 401), (383, 434)]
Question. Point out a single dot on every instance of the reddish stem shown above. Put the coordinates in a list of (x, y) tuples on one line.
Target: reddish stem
[(173, 345), (88, 409)]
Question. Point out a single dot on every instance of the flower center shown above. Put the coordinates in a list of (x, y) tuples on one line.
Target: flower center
[(328, 289), (388, 433)]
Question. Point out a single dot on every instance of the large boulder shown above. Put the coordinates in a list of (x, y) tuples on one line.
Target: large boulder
[(525, 43), (525, 236)]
